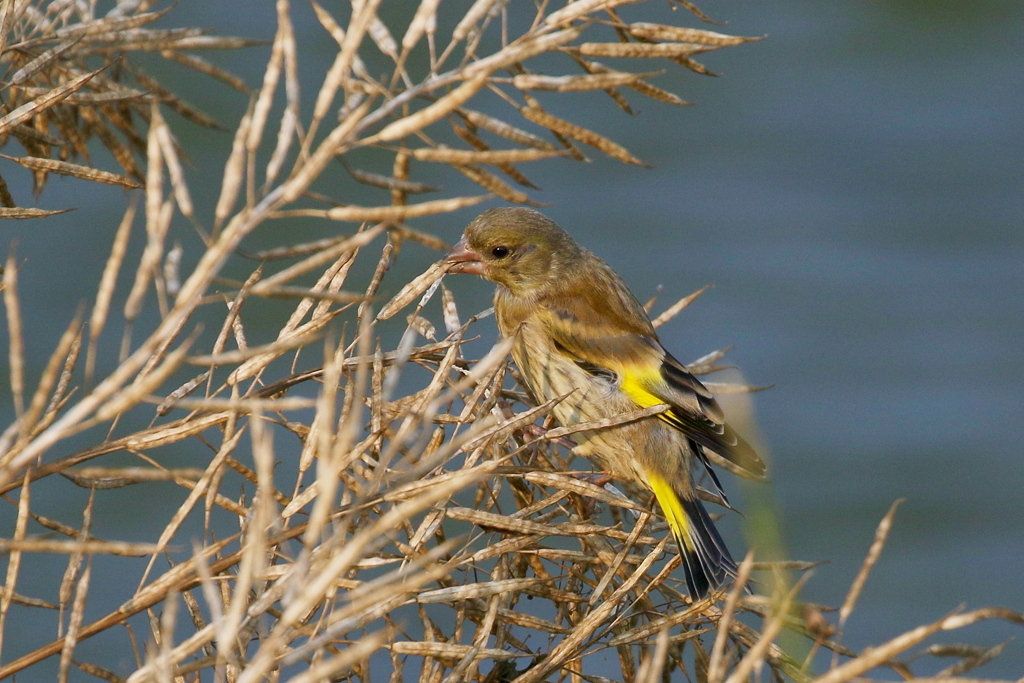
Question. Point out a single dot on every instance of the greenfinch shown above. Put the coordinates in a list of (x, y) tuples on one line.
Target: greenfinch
[(579, 333)]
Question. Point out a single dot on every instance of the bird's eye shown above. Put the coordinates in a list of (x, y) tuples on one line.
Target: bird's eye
[(500, 252)]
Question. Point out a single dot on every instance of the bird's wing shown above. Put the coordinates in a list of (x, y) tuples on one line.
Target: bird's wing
[(601, 340), (705, 425)]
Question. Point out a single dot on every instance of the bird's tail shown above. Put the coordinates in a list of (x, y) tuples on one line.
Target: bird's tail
[(706, 560)]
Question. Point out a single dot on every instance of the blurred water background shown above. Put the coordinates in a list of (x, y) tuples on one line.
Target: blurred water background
[(852, 186)]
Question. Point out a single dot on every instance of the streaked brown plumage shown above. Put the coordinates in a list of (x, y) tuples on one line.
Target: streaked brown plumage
[(579, 331)]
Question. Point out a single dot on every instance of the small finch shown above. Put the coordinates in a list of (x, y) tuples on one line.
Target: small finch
[(580, 333)]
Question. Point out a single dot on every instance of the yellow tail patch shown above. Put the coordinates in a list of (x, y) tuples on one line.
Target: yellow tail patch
[(673, 509)]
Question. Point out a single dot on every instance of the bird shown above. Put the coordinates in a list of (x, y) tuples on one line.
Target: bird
[(579, 334)]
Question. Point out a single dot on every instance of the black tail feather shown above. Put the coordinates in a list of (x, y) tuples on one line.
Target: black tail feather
[(708, 564)]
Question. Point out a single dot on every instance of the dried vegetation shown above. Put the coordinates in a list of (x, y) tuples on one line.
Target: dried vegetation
[(428, 527)]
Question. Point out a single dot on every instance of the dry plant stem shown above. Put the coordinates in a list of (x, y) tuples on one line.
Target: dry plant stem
[(210, 263), (35, 419), (321, 440), (14, 560), (355, 653), (43, 102), (881, 534), (716, 666), (105, 295), (568, 647), (73, 170), (229, 445), (756, 654), (874, 552), (15, 335), (75, 623), (152, 595), (261, 664), (678, 307), (651, 669), (877, 656), (613, 569)]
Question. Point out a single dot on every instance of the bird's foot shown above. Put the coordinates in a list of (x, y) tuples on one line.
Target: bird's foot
[(534, 432), (596, 478)]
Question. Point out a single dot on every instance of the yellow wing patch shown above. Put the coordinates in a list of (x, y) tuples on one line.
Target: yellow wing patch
[(635, 382), (673, 509), (634, 385)]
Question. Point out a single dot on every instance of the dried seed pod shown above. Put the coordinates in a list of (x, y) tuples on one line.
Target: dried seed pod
[(581, 134), (74, 170), (685, 35), (581, 8), (426, 13), (446, 155), (694, 66), (380, 35), (390, 183), (477, 143), (505, 130), (44, 102), (520, 52), (378, 214), (641, 87), (601, 81), (493, 183), (6, 212), (428, 115), (641, 50), (413, 289)]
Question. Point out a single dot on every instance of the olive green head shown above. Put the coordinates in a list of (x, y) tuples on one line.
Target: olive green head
[(517, 248)]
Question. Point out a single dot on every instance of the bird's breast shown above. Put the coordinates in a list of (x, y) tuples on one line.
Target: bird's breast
[(628, 450), (549, 374)]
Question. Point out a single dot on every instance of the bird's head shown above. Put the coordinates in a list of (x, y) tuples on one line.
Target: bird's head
[(517, 248)]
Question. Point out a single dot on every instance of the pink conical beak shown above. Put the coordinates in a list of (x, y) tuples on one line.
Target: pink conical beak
[(464, 259)]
